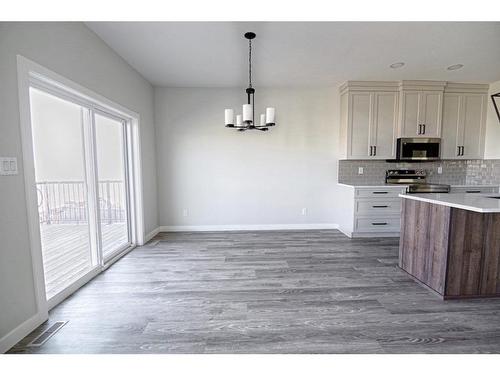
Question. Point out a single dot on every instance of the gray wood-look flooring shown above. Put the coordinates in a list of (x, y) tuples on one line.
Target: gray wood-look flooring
[(266, 292)]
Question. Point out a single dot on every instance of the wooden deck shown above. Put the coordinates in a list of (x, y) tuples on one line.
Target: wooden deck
[(66, 251)]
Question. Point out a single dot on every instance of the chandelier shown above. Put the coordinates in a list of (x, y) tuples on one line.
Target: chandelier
[(246, 121)]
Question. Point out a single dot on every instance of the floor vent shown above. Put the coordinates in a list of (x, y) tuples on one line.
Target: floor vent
[(47, 334)]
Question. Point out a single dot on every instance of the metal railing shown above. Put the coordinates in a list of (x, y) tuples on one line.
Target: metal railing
[(64, 202)]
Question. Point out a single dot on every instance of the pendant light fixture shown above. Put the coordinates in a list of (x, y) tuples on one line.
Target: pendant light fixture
[(246, 120)]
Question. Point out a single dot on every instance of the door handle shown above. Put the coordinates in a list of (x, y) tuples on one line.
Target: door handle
[(423, 126), (463, 150), (458, 150), (374, 150), (419, 129), (371, 150)]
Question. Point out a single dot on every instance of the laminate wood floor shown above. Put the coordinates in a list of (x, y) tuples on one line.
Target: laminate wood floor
[(266, 292)]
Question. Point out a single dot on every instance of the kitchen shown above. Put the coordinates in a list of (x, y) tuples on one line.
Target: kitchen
[(411, 148)]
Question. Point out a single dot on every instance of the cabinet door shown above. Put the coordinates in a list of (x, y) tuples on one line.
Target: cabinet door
[(452, 126), (409, 113), (383, 129), (473, 125), (359, 124), (430, 113)]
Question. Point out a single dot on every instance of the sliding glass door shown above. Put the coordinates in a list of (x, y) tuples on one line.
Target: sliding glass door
[(82, 178), (110, 136), (61, 182)]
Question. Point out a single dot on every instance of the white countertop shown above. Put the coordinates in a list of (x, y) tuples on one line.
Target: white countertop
[(403, 185), (471, 202), (399, 186)]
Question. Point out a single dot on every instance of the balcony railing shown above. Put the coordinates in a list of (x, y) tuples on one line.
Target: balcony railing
[(64, 202)]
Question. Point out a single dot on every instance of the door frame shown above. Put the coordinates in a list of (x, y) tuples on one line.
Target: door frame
[(30, 74)]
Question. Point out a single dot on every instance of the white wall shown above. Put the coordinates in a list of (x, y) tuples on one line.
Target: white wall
[(224, 177), (492, 144), (73, 51)]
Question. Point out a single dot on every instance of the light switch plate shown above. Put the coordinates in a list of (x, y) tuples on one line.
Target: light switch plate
[(440, 170), (8, 166), (360, 170)]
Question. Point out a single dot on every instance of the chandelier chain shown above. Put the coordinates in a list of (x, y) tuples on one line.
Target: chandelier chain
[(250, 62)]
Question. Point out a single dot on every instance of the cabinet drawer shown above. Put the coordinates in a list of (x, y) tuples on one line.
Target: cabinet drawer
[(377, 207), (472, 189), (378, 193), (378, 224)]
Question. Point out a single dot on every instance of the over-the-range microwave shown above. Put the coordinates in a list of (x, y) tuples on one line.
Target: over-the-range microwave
[(418, 149)]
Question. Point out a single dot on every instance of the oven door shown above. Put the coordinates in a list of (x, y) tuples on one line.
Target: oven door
[(418, 148)]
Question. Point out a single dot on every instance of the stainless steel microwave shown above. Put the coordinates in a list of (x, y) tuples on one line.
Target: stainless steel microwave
[(418, 149)]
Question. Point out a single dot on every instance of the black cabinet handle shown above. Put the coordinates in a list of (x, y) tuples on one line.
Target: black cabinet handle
[(458, 150), (380, 206), (419, 129), (379, 192), (371, 150), (374, 150), (463, 150), (379, 223), (473, 191), (424, 129)]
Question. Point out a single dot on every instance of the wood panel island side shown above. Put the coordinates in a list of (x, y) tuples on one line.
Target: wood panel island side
[(451, 243)]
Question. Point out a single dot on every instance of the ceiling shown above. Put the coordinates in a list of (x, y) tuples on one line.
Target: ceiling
[(214, 54)]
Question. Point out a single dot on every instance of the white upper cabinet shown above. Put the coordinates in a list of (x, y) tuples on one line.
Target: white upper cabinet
[(464, 119), (374, 114), (368, 120), (383, 130), (421, 109), (452, 126), (359, 121)]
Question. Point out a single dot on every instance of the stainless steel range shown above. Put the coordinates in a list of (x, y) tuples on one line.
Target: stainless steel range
[(416, 179)]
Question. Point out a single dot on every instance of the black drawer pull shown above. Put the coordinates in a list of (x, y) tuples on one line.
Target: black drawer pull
[(379, 223), (473, 191), (380, 206), (379, 192)]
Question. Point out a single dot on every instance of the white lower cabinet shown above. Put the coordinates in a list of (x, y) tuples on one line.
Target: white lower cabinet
[(371, 211), (474, 189)]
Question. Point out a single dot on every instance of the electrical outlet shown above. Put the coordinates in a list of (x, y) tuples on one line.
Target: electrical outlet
[(360, 170), (8, 166), (185, 212), (304, 211), (440, 170)]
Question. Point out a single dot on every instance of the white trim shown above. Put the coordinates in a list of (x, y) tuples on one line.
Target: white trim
[(346, 232), (151, 234), (20, 332), (62, 295), (218, 228), (374, 234)]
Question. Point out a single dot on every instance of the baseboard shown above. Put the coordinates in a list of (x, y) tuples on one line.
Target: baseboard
[(151, 234), (219, 228), (20, 332), (374, 234), (346, 232)]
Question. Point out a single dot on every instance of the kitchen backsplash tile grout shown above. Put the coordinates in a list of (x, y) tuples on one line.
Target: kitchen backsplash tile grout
[(455, 172)]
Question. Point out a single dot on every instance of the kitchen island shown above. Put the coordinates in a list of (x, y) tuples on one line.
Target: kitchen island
[(451, 243)]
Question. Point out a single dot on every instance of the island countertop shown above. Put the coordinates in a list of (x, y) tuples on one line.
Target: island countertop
[(482, 203)]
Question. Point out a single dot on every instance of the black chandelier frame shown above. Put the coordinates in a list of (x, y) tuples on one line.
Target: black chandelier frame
[(250, 91)]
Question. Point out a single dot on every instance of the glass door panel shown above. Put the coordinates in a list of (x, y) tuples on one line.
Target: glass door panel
[(63, 206), (112, 188)]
